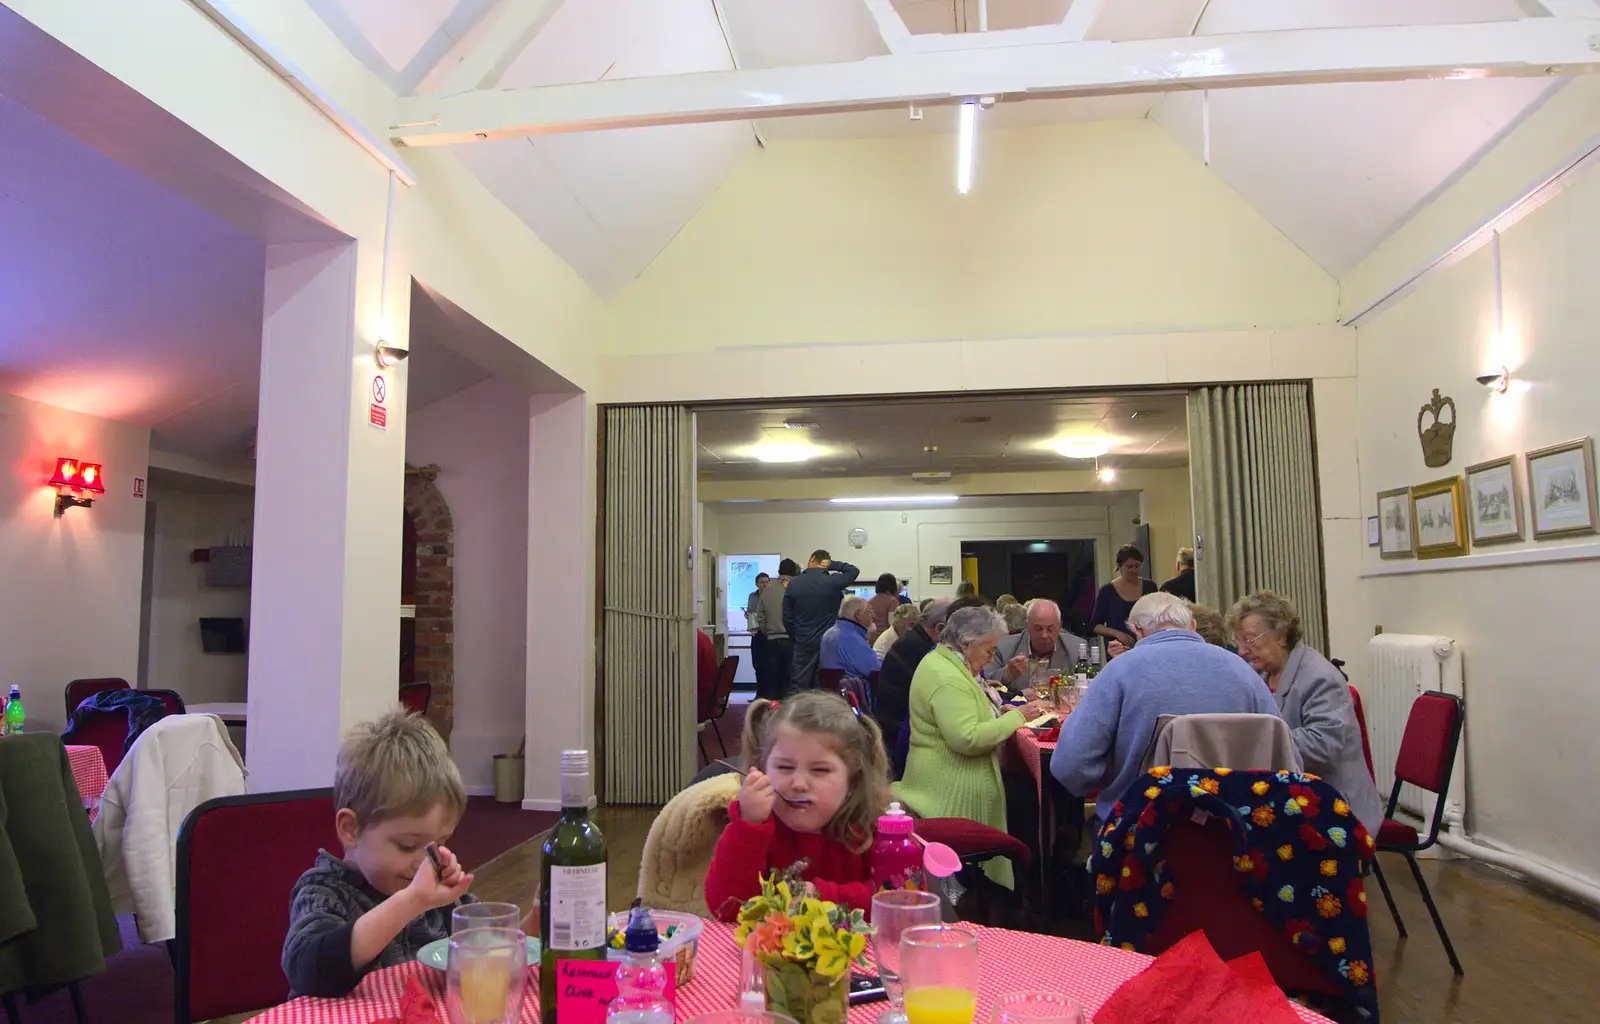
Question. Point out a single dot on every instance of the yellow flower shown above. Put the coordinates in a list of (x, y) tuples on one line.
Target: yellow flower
[(1140, 910), (1161, 771), (1336, 945), (1341, 808), (1152, 792), (1263, 816), (1105, 884), (1127, 840), (1330, 868), (1260, 789), (1211, 786), (1222, 771), (1286, 852)]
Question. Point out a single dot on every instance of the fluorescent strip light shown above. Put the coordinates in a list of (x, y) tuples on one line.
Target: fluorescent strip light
[(898, 499), (969, 128)]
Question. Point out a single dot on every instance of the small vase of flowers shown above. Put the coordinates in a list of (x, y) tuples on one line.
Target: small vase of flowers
[(806, 947)]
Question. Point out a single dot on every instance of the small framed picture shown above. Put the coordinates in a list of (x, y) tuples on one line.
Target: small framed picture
[(1439, 519), (1494, 501), (1394, 524), (1374, 532), (941, 575), (1561, 488)]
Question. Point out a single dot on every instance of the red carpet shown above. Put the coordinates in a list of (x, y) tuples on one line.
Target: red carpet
[(137, 985)]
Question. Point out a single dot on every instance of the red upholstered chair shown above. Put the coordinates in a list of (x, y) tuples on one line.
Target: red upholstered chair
[(831, 678), (716, 705), (415, 697), (1426, 760), (1207, 896), (975, 842), (80, 690), (107, 730), (170, 698), (238, 859), (1361, 720)]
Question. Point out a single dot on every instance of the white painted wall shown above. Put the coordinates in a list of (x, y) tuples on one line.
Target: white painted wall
[(70, 605), (180, 596), (478, 438), (905, 541), (1526, 632)]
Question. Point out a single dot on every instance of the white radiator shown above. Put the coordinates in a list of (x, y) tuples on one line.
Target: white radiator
[(1400, 666)]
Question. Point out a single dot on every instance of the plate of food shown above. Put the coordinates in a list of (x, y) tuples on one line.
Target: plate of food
[(437, 954)]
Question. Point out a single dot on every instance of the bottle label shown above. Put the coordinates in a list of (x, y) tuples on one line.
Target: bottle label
[(577, 907)]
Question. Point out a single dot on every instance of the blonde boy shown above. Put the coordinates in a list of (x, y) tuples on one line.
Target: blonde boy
[(397, 793)]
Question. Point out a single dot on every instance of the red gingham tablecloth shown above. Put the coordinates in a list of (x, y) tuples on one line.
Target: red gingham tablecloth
[(1028, 747), (1009, 962), (89, 770)]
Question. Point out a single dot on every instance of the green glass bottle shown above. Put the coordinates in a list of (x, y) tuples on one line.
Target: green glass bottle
[(572, 883)]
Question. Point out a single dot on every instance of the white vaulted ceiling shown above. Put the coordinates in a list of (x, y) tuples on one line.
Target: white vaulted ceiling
[(1335, 167)]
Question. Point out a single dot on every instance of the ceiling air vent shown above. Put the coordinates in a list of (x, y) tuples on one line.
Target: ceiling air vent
[(973, 420), (930, 478)]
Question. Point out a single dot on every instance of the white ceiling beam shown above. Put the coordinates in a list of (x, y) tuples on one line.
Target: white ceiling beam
[(891, 26), (494, 43), (1081, 17), (1528, 47), (1560, 8)]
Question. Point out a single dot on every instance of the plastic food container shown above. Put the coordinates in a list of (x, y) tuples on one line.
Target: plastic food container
[(679, 950)]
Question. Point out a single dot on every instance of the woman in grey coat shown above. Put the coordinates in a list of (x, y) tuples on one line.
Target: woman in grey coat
[(1312, 697)]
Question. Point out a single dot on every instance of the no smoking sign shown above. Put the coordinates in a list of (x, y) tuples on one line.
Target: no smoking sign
[(378, 413)]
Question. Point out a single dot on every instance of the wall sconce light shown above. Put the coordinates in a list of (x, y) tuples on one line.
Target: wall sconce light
[(1497, 382), (72, 480), (1106, 474), (388, 355)]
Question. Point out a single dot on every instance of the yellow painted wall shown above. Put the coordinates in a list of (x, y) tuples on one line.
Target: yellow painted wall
[(1109, 226), (1526, 632)]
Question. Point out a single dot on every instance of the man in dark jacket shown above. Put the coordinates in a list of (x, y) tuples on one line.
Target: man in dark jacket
[(810, 606), (892, 702)]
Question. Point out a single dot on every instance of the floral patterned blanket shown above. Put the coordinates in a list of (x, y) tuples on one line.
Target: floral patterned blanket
[(1299, 853)]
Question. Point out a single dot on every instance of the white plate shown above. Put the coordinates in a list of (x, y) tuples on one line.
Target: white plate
[(435, 954)]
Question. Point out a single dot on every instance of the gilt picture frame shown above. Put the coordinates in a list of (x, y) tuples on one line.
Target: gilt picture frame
[(1394, 524), (1494, 501), (1561, 489), (1439, 515)]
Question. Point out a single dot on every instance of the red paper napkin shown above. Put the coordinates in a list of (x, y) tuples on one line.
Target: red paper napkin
[(416, 1006), (1189, 984), (1049, 735)]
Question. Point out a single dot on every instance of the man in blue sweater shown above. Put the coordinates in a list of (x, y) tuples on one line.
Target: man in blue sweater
[(1171, 671), (845, 646)]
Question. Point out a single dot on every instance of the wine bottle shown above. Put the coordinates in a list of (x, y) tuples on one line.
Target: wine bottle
[(1081, 670), (572, 883), (1094, 660)]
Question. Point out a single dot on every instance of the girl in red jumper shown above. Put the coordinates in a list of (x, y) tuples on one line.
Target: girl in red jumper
[(818, 780)]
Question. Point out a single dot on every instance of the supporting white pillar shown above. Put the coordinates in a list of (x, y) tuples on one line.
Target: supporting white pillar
[(561, 590), (325, 592)]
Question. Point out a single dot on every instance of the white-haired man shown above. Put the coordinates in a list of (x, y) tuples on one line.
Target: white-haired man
[(845, 645), (1043, 643), (1172, 671)]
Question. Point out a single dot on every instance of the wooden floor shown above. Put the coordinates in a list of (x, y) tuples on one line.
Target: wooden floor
[(1528, 957)]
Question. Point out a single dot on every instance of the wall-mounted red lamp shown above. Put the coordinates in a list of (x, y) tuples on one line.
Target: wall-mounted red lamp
[(72, 481)]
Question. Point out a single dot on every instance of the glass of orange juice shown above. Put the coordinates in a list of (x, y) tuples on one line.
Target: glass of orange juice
[(485, 976), (939, 974)]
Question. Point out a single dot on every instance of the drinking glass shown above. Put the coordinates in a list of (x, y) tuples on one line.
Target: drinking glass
[(893, 911), (939, 974), (488, 968), (740, 1017), (1035, 1008), (505, 916)]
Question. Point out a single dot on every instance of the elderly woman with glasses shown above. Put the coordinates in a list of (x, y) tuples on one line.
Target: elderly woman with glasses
[(1312, 696), (953, 766)]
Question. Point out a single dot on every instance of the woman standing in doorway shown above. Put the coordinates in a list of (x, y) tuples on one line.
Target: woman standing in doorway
[(1115, 600)]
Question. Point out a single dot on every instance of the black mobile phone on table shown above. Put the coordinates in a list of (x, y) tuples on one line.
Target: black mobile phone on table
[(866, 988)]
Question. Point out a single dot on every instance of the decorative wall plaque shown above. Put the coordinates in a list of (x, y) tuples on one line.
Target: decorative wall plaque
[(1437, 438)]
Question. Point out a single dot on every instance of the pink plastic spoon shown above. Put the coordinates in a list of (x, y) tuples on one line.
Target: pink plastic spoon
[(939, 859)]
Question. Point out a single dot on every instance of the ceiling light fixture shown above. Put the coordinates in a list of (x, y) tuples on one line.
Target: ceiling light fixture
[(1106, 473), (898, 499), (773, 451), (800, 424), (965, 143), (1080, 447), (1497, 382), (388, 355)]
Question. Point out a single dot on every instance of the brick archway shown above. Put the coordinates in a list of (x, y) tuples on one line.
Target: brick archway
[(433, 592)]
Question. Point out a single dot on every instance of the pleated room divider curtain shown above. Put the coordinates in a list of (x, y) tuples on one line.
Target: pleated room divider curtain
[(1252, 479), (647, 625)]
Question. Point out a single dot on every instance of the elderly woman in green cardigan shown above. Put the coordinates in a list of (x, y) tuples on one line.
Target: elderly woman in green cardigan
[(953, 767)]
